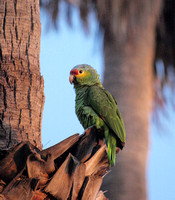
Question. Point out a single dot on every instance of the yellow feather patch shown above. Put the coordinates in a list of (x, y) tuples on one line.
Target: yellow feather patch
[(83, 74)]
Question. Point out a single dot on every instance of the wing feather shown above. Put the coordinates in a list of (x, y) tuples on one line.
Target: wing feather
[(105, 106)]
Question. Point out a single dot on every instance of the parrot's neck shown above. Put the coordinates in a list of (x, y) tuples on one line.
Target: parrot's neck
[(80, 91), (81, 98), (79, 87)]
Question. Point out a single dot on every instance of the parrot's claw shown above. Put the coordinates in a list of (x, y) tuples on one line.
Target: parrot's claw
[(87, 130), (101, 142)]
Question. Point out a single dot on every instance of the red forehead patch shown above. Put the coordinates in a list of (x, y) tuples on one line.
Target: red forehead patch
[(74, 72)]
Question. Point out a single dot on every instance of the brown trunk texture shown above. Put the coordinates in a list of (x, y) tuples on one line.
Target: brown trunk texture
[(21, 85), (128, 76)]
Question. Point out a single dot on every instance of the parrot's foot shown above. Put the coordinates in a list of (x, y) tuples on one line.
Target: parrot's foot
[(89, 129), (101, 142)]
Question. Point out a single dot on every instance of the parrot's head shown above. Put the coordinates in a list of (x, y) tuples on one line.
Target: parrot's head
[(84, 75)]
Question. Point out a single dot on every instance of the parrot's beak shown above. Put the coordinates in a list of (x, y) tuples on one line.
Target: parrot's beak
[(71, 78)]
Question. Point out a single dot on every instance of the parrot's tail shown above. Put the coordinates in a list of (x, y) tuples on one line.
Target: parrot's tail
[(111, 144)]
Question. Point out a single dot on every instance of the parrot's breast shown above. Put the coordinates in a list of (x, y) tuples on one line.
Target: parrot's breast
[(85, 113)]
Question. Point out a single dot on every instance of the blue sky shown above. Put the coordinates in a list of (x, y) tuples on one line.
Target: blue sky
[(60, 51), (161, 160)]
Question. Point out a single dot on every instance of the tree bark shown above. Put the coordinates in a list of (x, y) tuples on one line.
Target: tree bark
[(21, 85), (128, 76)]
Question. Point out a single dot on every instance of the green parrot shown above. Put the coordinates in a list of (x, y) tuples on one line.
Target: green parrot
[(94, 105)]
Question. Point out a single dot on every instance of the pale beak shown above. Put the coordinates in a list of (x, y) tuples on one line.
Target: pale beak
[(71, 78)]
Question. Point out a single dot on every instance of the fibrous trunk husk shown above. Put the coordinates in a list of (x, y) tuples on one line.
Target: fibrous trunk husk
[(72, 169)]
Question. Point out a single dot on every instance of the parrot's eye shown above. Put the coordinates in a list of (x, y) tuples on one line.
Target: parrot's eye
[(81, 71)]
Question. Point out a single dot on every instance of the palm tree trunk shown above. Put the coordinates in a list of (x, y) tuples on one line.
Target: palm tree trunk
[(21, 85), (128, 76)]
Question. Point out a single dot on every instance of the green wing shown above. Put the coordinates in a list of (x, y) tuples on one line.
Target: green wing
[(104, 104)]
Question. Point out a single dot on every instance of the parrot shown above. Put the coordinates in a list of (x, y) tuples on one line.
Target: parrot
[(95, 106)]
